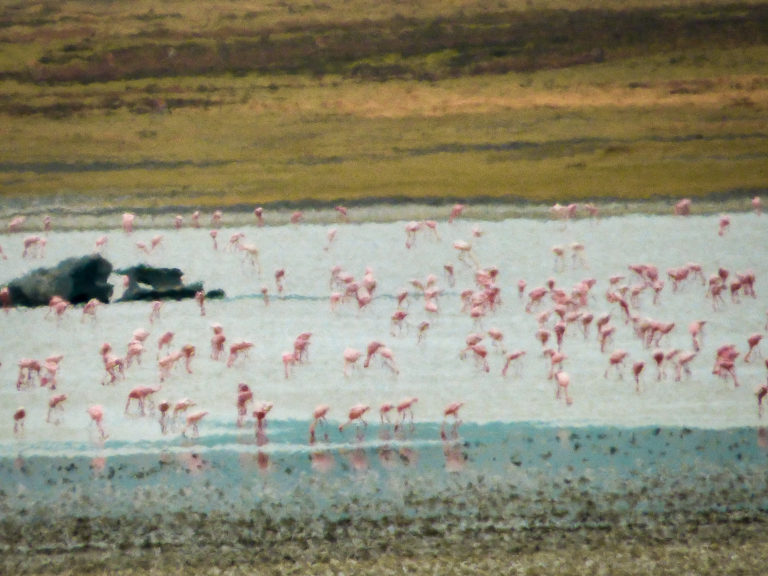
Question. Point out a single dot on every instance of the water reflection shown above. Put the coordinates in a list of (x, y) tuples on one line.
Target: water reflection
[(762, 437), (453, 453), (262, 457)]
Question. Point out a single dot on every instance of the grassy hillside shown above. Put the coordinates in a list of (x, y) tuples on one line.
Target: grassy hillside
[(154, 104)]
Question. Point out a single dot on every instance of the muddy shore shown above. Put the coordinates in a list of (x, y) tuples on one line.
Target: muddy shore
[(720, 544), (68, 214)]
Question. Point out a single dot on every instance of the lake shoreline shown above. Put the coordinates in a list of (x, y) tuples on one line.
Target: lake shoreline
[(215, 546), (69, 215)]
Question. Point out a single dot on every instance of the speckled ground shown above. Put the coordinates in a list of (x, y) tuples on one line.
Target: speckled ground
[(723, 544)]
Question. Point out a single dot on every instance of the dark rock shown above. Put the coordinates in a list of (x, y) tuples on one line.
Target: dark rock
[(77, 280), (157, 278), (150, 283)]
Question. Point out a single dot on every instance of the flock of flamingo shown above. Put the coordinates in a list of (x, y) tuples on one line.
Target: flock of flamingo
[(562, 314)]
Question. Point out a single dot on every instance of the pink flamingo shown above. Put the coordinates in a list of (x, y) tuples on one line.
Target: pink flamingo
[(535, 296), (193, 420), (585, 320), (512, 357), (373, 347), (754, 346), (331, 236), (405, 409), (556, 359), (422, 330), (155, 241), (637, 369), (757, 205), (724, 224), (497, 336), (154, 313), (289, 359), (563, 381), (16, 223), (605, 335), (465, 251), (135, 350), (200, 299), (301, 346), (18, 420), (397, 321), (318, 416), (251, 252), (101, 242), (683, 207), (167, 363), (297, 217), (351, 356), (356, 413), (480, 354), (89, 309), (449, 274), (659, 356), (234, 240), (389, 359), (521, 286), (34, 247), (55, 403), (411, 229), (114, 366), (27, 367), (141, 394), (453, 410), (261, 415), (217, 341), (51, 365), (279, 275), (542, 335), (259, 213), (164, 341), (244, 396), (182, 406), (456, 211), (188, 352), (696, 330), (96, 412), (236, 349), (684, 360), (761, 393), (384, 411), (725, 363), (128, 219)]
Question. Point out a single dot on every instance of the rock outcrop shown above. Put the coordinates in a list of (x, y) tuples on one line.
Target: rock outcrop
[(77, 280), (150, 283)]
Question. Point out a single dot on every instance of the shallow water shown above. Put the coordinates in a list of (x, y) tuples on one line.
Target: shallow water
[(514, 429)]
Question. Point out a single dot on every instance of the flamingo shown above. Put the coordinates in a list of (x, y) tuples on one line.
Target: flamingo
[(193, 420), (563, 381), (96, 412), (351, 356), (318, 416), (356, 413)]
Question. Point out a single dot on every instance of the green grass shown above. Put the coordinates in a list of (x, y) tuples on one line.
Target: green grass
[(683, 115)]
